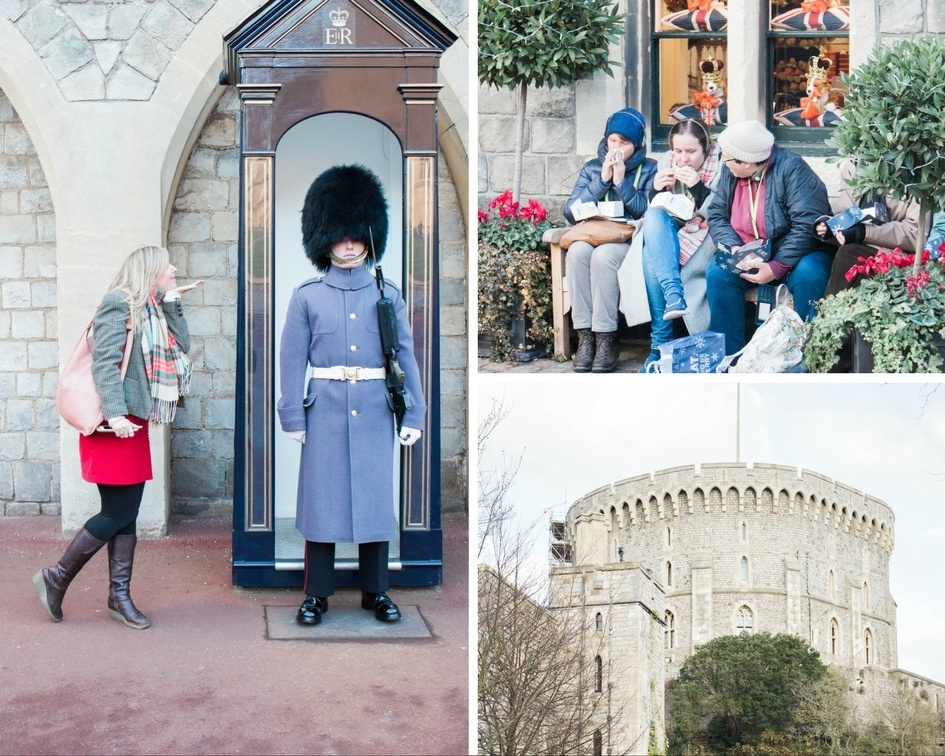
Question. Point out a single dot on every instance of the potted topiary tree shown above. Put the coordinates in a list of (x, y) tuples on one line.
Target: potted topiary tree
[(894, 125), (543, 43)]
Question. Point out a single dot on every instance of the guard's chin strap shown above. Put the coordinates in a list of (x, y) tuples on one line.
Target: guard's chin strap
[(348, 261)]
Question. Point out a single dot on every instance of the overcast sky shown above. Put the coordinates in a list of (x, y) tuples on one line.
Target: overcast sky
[(576, 433)]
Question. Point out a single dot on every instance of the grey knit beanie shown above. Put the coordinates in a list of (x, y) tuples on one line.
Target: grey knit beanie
[(748, 141)]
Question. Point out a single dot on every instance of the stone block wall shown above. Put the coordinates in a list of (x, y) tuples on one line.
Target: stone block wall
[(550, 166), (102, 49), (795, 528), (551, 161), (29, 360), (202, 241), (629, 641)]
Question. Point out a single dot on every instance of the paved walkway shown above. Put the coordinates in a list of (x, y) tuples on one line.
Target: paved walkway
[(633, 352), (205, 678)]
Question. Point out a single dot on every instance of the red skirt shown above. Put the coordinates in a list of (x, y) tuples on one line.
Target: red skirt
[(115, 461)]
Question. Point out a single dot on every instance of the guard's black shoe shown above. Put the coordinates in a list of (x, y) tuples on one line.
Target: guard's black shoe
[(311, 611), (384, 609)]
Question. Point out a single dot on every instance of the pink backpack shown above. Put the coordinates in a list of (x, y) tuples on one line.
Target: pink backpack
[(77, 399)]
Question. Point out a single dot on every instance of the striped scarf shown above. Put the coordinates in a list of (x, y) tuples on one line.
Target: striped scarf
[(167, 366)]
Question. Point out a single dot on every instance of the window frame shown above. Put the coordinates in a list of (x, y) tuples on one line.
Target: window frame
[(808, 140), (658, 130)]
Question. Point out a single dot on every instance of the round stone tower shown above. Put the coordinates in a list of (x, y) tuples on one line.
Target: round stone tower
[(740, 548)]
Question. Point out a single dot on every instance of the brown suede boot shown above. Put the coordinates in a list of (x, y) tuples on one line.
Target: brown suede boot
[(584, 357), (605, 360), (121, 557), (51, 582)]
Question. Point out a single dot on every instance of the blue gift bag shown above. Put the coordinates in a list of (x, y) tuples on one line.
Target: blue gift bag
[(698, 353)]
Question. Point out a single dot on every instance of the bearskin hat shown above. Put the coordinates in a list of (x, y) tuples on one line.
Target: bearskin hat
[(344, 201)]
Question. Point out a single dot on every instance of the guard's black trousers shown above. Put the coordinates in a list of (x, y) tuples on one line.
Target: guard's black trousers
[(320, 567)]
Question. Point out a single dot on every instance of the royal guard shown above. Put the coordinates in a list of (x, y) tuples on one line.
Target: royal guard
[(338, 391)]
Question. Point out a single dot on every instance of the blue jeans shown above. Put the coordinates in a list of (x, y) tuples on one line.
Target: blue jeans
[(807, 282), (660, 269)]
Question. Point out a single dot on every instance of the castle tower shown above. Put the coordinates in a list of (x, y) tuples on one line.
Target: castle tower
[(732, 548)]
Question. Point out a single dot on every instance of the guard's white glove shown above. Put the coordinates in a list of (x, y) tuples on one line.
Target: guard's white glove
[(296, 436), (409, 436)]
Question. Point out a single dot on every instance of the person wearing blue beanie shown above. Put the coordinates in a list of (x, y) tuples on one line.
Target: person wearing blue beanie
[(621, 171)]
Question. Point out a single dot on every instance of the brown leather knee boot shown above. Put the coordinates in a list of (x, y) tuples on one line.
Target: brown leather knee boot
[(51, 582), (121, 557)]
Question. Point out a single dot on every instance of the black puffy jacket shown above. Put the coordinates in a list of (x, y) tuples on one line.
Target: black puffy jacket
[(795, 198)]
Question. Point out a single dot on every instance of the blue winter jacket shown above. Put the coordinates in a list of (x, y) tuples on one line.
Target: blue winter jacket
[(590, 188), (795, 198)]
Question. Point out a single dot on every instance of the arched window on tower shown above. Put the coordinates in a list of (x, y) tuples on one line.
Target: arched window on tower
[(743, 570), (598, 743), (866, 595), (744, 621), (599, 622), (831, 585), (834, 637), (868, 647), (669, 536), (744, 532), (670, 632), (669, 573), (598, 675)]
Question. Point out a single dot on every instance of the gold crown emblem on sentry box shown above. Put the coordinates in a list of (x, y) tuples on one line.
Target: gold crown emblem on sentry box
[(338, 17), (818, 68), (711, 69)]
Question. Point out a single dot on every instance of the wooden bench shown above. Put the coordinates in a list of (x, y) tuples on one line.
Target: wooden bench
[(561, 300)]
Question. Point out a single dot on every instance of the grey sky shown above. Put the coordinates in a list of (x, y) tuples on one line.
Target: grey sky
[(577, 433)]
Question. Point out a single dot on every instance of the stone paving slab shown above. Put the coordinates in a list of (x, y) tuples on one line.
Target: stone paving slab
[(345, 623)]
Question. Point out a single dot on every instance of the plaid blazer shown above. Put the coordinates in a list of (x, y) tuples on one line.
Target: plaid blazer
[(133, 397)]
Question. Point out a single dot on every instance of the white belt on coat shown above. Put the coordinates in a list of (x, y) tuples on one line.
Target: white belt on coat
[(345, 373)]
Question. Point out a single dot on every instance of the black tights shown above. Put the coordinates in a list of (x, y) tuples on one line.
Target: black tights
[(119, 515)]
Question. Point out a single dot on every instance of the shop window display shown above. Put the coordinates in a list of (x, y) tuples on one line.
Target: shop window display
[(809, 50), (690, 43)]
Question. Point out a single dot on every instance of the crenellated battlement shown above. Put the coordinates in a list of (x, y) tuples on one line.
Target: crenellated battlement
[(719, 489)]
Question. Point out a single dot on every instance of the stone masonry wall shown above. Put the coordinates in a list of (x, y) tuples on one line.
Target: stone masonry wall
[(106, 49), (29, 424), (780, 520), (550, 165), (202, 241)]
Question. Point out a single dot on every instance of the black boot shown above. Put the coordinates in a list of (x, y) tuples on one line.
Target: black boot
[(311, 610), (121, 557), (384, 609), (584, 356), (605, 360), (51, 582)]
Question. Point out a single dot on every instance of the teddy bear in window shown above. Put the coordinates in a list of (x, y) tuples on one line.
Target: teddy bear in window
[(710, 99)]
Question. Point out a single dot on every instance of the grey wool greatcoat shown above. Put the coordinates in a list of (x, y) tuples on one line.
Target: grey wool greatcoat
[(345, 492), (109, 333)]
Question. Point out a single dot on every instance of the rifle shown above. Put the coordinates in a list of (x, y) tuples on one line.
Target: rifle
[(390, 343)]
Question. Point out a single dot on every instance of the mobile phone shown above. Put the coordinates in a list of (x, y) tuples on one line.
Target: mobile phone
[(104, 429)]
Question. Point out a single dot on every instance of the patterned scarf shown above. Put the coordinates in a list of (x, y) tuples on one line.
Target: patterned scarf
[(694, 232), (167, 366)]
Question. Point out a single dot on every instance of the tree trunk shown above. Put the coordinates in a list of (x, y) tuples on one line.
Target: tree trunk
[(519, 141), (921, 232)]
